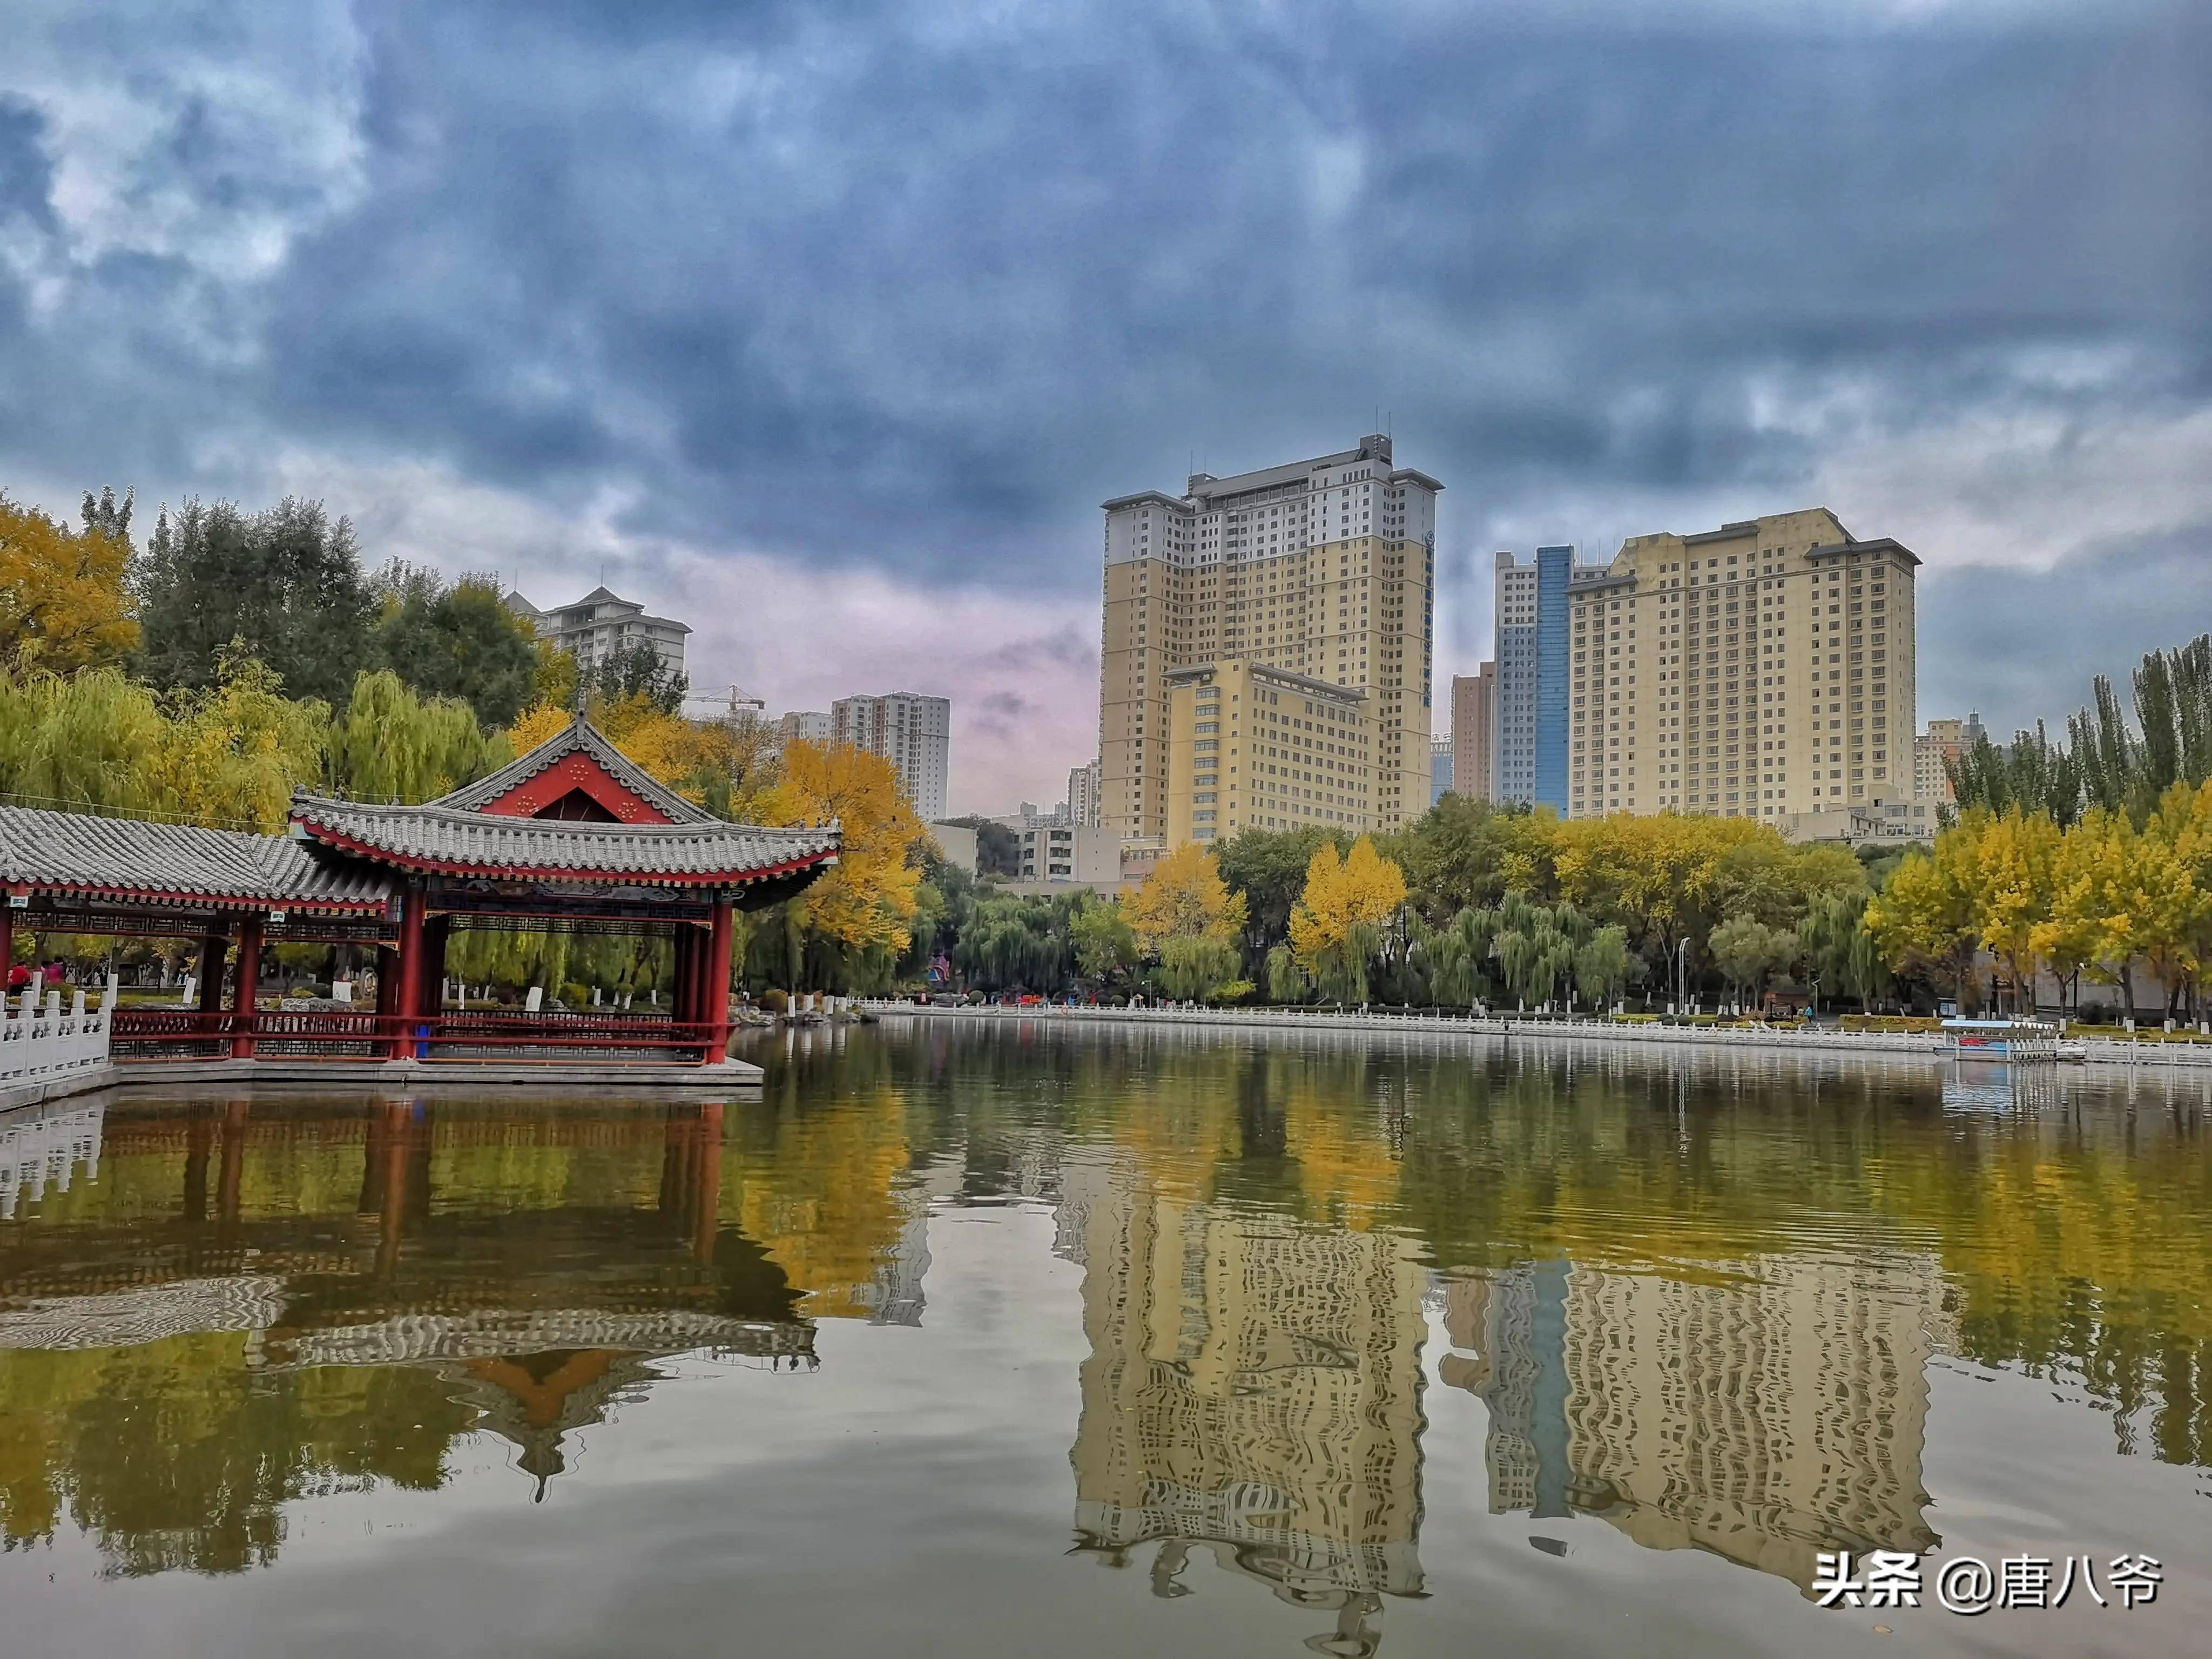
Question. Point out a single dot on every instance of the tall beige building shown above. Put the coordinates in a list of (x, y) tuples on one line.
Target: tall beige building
[(1475, 719), (1322, 568), (1250, 744), (1762, 669)]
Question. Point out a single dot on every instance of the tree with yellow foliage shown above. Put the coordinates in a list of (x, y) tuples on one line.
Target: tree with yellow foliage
[(1184, 898), (63, 603), (2017, 857), (539, 724), (1929, 914), (233, 753), (1345, 900), (867, 900)]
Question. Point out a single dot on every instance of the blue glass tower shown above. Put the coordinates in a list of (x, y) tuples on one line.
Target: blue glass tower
[(1555, 567)]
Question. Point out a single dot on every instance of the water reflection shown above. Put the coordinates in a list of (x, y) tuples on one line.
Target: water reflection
[(1692, 1305), (1254, 1389), (1763, 1414), (362, 1285)]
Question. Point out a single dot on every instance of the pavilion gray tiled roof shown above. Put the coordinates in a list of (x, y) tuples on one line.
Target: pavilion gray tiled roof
[(581, 737), (440, 836), (80, 852)]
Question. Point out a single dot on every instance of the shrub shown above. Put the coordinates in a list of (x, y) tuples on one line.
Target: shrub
[(775, 1002)]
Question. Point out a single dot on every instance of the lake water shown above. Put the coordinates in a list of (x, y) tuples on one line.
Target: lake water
[(1015, 1340)]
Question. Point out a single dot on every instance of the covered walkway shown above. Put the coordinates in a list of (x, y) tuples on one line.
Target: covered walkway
[(572, 835)]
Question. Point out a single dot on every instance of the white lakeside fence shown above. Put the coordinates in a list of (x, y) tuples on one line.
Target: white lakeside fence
[(46, 1045), (2099, 1051)]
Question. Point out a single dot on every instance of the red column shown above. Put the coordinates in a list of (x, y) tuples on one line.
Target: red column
[(718, 982), (249, 973), (408, 998), (387, 989), (432, 976), (683, 999), (435, 932), (210, 1008)]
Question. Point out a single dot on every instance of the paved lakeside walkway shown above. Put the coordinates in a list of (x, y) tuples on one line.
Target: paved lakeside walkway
[(2195, 1057)]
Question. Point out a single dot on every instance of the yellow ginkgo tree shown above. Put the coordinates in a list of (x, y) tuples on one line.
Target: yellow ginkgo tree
[(1337, 919)]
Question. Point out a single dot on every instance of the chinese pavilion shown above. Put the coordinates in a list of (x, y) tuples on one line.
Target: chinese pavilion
[(573, 835)]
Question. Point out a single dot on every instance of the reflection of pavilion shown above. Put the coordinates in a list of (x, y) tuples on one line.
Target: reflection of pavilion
[(1253, 1388), (540, 1318), (1763, 1417)]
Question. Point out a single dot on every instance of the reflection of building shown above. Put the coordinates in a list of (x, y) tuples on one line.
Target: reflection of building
[(1763, 1417), (1252, 1386)]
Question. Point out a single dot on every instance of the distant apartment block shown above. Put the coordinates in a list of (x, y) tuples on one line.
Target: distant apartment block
[(802, 725), (1530, 617), (1052, 849), (1942, 742), (1473, 731), (914, 732), (958, 842), (1247, 745), (1440, 768), (1323, 570), (1762, 670), (1083, 794), (601, 624)]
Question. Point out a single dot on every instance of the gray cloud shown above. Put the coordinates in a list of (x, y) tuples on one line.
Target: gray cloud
[(911, 287), (2024, 644)]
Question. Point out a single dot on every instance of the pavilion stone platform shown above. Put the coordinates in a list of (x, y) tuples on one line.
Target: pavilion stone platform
[(572, 835)]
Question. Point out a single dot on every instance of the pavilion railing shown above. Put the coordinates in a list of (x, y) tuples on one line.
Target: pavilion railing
[(552, 1036)]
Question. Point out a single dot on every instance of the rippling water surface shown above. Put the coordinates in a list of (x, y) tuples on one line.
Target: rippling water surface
[(1015, 1339)]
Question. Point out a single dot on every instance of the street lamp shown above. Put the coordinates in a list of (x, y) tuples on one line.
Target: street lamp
[(1681, 951)]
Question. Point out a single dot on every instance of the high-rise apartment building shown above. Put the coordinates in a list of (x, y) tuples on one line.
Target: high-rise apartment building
[(1083, 794), (1941, 743), (1530, 618), (1440, 768), (1247, 745), (1756, 671), (1323, 569), (914, 732), (603, 624), (1474, 721), (803, 725)]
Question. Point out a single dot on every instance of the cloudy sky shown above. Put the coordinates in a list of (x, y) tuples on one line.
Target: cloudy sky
[(827, 326)]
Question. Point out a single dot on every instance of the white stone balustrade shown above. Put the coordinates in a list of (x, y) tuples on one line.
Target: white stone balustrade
[(45, 1043)]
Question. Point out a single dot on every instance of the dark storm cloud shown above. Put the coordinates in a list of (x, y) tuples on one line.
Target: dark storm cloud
[(2021, 645), (914, 288)]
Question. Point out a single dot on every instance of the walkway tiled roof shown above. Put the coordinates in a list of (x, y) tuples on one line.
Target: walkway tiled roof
[(439, 837), (180, 862), (580, 737)]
